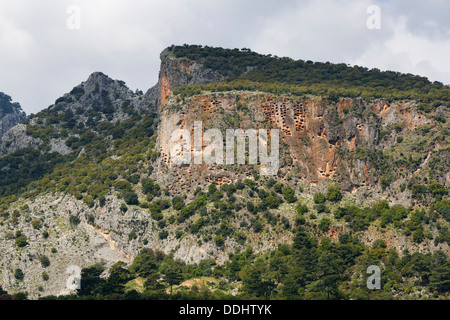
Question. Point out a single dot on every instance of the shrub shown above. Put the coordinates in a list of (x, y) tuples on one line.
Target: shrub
[(256, 225), (89, 201), (333, 194), (270, 183), (418, 235), (179, 234), (218, 239), (163, 234), (102, 201), (251, 207), (272, 201), (74, 220), (21, 241), (177, 202), (231, 189), (131, 198), (278, 187), (386, 181), (299, 219), (18, 274), (321, 207), (289, 195), (150, 187), (319, 197), (155, 211), (132, 235), (339, 212), (45, 261), (324, 224), (302, 209), (249, 183), (436, 188), (36, 223)]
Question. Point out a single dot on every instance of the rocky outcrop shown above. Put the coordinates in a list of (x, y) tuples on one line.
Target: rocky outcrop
[(102, 94), (175, 72), (16, 139), (95, 100)]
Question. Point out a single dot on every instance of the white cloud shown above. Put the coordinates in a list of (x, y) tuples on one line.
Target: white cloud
[(410, 53), (41, 59), (321, 31), (17, 44)]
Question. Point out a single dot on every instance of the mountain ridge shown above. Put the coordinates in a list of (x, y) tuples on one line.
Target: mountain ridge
[(89, 180)]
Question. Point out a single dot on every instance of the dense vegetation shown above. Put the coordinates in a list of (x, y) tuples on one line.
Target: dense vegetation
[(88, 172), (247, 70), (6, 106)]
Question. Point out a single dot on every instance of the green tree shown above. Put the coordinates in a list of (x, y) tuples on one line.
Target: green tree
[(436, 189), (324, 224), (130, 197), (319, 197), (118, 277), (256, 279), (333, 194), (18, 274), (173, 275), (289, 195), (91, 282)]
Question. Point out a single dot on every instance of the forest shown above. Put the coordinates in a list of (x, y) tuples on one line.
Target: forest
[(247, 70)]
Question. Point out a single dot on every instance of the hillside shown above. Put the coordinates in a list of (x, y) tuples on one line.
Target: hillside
[(363, 180)]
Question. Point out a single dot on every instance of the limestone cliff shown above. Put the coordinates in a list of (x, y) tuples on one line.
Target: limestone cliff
[(175, 72), (323, 142)]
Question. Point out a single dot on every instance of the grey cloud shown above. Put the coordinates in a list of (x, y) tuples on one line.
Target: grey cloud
[(40, 59)]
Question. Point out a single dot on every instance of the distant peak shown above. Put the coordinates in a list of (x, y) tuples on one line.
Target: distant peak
[(98, 76)]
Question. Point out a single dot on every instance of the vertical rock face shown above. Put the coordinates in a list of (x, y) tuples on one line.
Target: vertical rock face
[(11, 113), (175, 72), (320, 141)]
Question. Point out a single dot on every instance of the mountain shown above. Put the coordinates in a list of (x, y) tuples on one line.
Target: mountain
[(11, 113), (89, 184)]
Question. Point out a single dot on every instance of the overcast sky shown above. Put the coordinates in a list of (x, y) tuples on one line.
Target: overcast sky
[(44, 55)]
